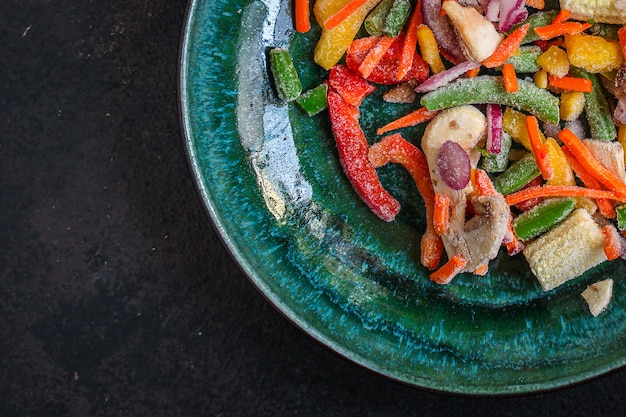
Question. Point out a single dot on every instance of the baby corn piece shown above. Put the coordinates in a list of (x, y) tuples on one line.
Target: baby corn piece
[(567, 251), (606, 11)]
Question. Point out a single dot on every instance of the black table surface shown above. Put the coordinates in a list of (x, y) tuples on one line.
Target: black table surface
[(117, 297)]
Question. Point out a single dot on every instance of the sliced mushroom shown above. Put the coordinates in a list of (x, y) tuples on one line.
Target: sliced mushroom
[(478, 239)]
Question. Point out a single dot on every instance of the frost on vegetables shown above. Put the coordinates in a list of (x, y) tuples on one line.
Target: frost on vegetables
[(524, 116)]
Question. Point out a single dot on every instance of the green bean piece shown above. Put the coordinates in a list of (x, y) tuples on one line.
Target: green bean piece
[(621, 216), (490, 89), (543, 217), (597, 111), (286, 78), (526, 60), (536, 20), (395, 20), (605, 30), (498, 162), (375, 22), (313, 101), (517, 176)]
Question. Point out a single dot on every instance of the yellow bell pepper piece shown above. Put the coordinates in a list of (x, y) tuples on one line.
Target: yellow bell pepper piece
[(333, 43), (555, 61), (563, 174), (514, 123), (541, 78), (429, 49), (572, 104), (593, 53)]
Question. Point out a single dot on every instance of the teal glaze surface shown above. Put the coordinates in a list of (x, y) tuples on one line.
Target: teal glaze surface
[(273, 186)]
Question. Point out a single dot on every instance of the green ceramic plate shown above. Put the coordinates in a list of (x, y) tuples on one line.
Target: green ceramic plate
[(271, 181)]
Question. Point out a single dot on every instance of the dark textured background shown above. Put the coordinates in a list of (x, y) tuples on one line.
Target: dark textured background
[(116, 295)]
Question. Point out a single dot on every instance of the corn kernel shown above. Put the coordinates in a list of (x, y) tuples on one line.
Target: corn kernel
[(593, 53), (541, 78), (572, 104), (555, 61)]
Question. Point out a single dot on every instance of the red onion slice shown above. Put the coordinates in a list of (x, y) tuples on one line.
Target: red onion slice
[(453, 165), (446, 76), (442, 29), (492, 12), (512, 12), (619, 114), (494, 128)]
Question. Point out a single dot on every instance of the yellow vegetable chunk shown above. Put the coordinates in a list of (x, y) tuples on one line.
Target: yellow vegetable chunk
[(572, 105), (555, 61), (593, 53), (563, 174), (514, 123), (429, 49), (541, 78), (334, 43), (567, 251)]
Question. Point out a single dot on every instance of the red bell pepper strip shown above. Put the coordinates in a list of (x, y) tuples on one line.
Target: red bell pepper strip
[(353, 153), (352, 87), (386, 72), (395, 149)]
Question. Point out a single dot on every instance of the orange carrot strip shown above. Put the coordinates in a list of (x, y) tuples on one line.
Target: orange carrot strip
[(416, 117), (410, 42), (509, 77), (343, 14), (473, 72), (621, 34), (507, 47), (449, 270), (539, 148), (571, 83), (441, 213), (558, 29), (395, 149), (482, 269), (537, 4), (605, 206), (561, 17), (302, 16), (612, 242), (591, 164), (374, 56), (560, 191)]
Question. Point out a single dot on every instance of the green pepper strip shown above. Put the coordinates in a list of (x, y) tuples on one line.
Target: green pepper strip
[(286, 79), (375, 21), (601, 125), (398, 14), (517, 176), (314, 100), (536, 20), (490, 89), (542, 217), (526, 60)]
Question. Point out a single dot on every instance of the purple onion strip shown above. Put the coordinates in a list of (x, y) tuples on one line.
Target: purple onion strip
[(494, 128), (512, 12), (446, 76)]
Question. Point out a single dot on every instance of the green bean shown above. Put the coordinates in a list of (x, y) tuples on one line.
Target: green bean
[(395, 20), (313, 101), (517, 176), (286, 79), (621, 216), (597, 111), (498, 162), (375, 21), (490, 89), (542, 217), (526, 60), (535, 20)]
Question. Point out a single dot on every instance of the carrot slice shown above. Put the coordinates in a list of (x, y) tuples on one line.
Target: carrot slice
[(507, 47), (591, 164), (539, 148), (449, 270), (482, 270), (612, 242), (374, 56), (583, 85), (343, 14), (441, 213), (509, 77), (560, 191), (558, 29), (302, 16), (416, 117), (537, 4), (410, 42), (621, 34), (473, 72), (561, 17), (604, 205), (396, 149)]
